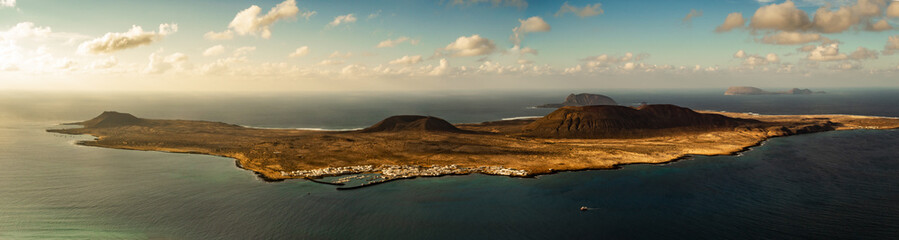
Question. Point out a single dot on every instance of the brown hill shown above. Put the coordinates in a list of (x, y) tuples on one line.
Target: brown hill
[(111, 119), (585, 99), (745, 91), (626, 122), (582, 99), (412, 123)]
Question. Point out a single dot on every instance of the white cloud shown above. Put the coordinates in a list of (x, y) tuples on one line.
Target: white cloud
[(337, 54), (692, 14), (605, 62), (215, 68), (25, 30), (8, 67), (605, 59), (791, 38), (7, 3), (112, 42), (862, 53), (522, 51), (753, 60), (353, 70), (771, 57), (893, 9), (879, 26), (442, 69), (806, 48), (65, 64), (496, 3), (330, 62), (474, 45), (493, 67), (575, 69), (784, 16), (226, 35), (892, 45), (225, 65), (733, 20), (16, 58), (374, 15), (105, 63), (586, 11), (818, 3), (242, 51), (699, 68), (839, 20), (161, 64), (407, 60), (301, 51), (214, 50), (397, 41), (532, 24), (248, 21), (827, 52), (528, 50), (848, 66), (33, 34), (307, 14), (349, 18), (787, 17), (828, 21)]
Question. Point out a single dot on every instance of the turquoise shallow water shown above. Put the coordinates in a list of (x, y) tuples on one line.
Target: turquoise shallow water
[(825, 185)]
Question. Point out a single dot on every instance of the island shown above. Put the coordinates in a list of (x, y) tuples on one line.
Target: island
[(743, 90), (582, 99), (400, 147)]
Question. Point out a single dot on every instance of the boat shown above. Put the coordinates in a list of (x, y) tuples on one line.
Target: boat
[(584, 208)]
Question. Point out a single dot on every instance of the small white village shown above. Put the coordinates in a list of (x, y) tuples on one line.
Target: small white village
[(393, 172)]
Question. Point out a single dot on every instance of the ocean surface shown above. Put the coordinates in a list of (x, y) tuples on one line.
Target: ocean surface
[(826, 185)]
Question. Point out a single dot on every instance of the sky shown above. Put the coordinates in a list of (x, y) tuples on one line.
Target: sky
[(405, 45)]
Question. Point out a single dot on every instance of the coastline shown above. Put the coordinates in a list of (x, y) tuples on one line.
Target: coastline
[(341, 186), (491, 151), (263, 177)]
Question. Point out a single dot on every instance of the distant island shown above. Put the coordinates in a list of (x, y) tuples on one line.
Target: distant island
[(408, 146), (743, 90), (582, 99)]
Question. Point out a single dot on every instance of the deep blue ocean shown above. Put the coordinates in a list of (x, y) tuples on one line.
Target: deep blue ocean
[(828, 185)]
